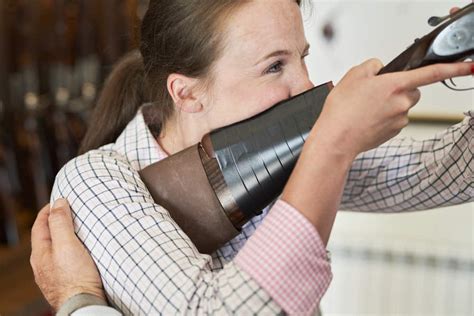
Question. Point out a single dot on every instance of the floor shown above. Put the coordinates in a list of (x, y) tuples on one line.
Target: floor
[(19, 294)]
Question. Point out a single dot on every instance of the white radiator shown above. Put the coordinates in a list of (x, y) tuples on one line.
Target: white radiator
[(388, 279)]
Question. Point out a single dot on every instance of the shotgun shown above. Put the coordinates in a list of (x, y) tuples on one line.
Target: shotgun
[(31, 132), (86, 70), (9, 182), (450, 42), (234, 172)]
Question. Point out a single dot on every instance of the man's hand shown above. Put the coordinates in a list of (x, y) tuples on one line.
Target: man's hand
[(61, 264)]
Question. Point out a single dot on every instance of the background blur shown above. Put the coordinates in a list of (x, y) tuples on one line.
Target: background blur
[(54, 57)]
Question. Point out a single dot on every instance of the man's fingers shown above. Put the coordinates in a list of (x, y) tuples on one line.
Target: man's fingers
[(412, 79), (40, 236), (60, 223)]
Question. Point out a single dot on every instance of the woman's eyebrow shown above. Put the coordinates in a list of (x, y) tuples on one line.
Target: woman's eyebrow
[(281, 52)]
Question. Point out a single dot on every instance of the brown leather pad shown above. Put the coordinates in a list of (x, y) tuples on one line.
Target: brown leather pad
[(179, 184)]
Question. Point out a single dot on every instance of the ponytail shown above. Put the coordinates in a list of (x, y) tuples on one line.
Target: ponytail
[(121, 96)]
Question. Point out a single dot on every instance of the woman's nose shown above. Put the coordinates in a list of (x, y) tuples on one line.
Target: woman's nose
[(300, 84)]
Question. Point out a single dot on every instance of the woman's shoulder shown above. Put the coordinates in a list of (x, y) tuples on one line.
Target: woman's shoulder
[(92, 170), (105, 156)]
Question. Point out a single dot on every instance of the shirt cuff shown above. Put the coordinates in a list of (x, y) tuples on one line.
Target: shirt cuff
[(287, 258), (96, 310), (78, 301)]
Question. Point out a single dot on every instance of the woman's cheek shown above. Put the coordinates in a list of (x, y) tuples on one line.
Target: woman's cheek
[(241, 105), (272, 96), (253, 104)]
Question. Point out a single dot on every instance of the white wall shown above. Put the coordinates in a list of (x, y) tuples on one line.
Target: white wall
[(381, 29), (443, 237), (364, 285)]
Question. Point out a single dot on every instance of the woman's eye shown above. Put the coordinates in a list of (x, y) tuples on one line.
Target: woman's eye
[(275, 68)]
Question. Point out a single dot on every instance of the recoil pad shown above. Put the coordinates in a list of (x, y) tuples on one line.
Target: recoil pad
[(257, 156), (213, 188)]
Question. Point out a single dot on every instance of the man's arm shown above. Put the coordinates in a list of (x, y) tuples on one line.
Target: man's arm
[(63, 269)]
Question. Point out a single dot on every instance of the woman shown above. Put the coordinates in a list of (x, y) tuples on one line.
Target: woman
[(208, 64)]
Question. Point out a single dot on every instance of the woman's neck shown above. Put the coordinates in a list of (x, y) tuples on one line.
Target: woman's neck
[(179, 133)]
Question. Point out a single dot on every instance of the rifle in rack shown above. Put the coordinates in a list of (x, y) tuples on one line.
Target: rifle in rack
[(61, 79), (9, 185), (31, 135), (87, 70), (116, 39)]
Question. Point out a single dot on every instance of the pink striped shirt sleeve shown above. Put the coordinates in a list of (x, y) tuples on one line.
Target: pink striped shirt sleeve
[(287, 258)]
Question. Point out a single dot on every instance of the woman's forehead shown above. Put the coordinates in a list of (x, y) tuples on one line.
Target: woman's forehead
[(260, 26)]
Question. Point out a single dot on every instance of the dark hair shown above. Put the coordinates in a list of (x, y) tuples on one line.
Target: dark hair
[(177, 36)]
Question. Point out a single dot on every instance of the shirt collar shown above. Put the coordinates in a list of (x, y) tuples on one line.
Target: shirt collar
[(137, 143)]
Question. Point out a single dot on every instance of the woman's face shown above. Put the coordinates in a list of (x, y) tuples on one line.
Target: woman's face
[(261, 64)]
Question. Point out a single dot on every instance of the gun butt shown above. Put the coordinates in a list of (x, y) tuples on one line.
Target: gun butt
[(181, 185)]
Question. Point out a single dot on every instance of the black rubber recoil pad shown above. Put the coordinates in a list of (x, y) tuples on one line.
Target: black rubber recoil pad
[(257, 155)]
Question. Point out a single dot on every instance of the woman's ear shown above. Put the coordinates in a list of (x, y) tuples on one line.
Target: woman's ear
[(181, 89)]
